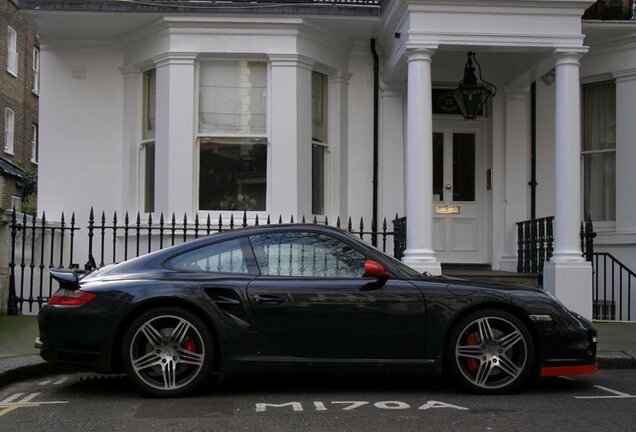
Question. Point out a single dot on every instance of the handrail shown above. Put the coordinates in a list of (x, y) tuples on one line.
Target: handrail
[(611, 305)]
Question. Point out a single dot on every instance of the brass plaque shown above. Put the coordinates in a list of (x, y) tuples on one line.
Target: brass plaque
[(447, 209)]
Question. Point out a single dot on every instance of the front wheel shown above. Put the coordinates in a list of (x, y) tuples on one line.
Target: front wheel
[(168, 352), (490, 352)]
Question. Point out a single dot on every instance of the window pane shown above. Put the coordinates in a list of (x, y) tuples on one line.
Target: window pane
[(600, 186), (599, 116), (438, 166), (149, 177), (318, 179), (463, 167), (599, 139), (226, 257), (319, 107), (306, 255), (150, 104), (233, 174), (233, 97)]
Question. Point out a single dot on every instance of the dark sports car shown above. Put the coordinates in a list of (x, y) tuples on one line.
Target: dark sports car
[(285, 297)]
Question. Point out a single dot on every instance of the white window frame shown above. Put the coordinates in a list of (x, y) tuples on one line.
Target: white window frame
[(12, 51), (147, 141), (199, 136), (323, 144), (9, 130), (600, 225), (36, 71), (35, 147)]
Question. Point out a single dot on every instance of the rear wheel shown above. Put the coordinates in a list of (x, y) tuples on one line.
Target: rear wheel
[(168, 352), (490, 351)]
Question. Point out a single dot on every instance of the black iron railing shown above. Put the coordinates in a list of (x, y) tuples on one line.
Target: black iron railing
[(611, 282), (612, 288), (38, 244), (535, 242)]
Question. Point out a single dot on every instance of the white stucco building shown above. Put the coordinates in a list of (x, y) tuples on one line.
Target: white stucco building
[(269, 106)]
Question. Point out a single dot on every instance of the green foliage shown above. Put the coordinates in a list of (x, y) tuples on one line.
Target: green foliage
[(29, 183)]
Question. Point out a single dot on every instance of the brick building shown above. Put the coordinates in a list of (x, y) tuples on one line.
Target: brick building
[(19, 93)]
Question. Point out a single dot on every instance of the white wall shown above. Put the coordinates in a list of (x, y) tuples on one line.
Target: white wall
[(80, 128), (545, 149), (361, 133)]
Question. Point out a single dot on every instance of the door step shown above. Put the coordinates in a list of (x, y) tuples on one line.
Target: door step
[(484, 273)]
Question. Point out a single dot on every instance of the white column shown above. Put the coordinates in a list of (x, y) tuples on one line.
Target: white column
[(517, 166), (392, 161), (337, 121), (290, 112), (419, 252), (131, 139), (625, 151), (175, 136), (568, 276)]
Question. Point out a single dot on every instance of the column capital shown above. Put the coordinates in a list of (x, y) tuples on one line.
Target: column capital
[(292, 60), (569, 56), (516, 91), (174, 58), (341, 77), (420, 53), (130, 71)]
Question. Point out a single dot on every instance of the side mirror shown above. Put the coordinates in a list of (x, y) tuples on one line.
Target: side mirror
[(375, 269)]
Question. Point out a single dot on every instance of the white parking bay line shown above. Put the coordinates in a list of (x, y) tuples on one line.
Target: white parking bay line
[(43, 383), (11, 398), (615, 394), (60, 381)]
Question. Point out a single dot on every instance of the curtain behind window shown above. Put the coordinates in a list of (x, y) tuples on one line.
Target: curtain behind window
[(233, 97), (599, 150)]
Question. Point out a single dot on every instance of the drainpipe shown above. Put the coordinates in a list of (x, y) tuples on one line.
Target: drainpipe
[(376, 85), (533, 151)]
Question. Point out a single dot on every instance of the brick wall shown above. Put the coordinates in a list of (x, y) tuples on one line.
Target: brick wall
[(17, 93)]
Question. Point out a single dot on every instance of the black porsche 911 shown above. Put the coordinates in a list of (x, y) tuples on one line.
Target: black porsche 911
[(290, 297)]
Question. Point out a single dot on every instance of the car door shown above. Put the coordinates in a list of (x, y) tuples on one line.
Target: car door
[(313, 300)]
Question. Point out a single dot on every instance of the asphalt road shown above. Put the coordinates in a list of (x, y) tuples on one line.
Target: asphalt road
[(604, 402)]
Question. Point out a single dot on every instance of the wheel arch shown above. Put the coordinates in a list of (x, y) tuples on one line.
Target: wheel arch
[(511, 308), (156, 303)]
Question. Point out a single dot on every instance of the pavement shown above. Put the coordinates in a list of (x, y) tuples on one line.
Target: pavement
[(19, 360)]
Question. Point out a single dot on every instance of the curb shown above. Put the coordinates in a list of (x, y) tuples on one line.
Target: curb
[(14, 369), (616, 360)]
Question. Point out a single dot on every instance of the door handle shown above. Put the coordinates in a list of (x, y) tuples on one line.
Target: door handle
[(448, 186), (268, 299)]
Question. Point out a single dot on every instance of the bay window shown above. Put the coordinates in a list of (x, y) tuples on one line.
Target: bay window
[(232, 135)]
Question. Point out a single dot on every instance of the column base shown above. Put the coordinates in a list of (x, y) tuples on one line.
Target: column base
[(422, 260), (571, 283)]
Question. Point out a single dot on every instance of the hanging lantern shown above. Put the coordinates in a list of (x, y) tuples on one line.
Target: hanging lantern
[(471, 95)]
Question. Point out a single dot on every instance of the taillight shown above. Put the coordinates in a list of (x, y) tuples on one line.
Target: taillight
[(66, 297)]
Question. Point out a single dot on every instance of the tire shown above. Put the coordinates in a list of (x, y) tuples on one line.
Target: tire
[(490, 352), (168, 352)]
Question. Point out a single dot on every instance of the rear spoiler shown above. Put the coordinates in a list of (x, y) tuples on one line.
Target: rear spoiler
[(67, 278)]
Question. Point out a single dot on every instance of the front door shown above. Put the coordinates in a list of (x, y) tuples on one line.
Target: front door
[(458, 190)]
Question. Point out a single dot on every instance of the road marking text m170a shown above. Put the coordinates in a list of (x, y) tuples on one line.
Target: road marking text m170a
[(352, 405)]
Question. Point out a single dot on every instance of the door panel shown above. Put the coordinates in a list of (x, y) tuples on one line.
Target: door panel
[(458, 221), (341, 318)]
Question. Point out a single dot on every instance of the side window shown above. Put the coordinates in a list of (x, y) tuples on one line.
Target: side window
[(306, 255), (225, 257)]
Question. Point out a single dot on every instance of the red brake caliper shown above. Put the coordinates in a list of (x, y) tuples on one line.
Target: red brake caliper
[(189, 345), (473, 364)]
